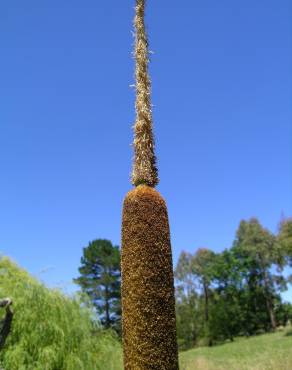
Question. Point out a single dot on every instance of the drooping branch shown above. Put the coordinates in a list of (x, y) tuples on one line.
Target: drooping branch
[(5, 324), (144, 166)]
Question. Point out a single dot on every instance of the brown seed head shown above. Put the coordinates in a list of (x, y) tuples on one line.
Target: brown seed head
[(149, 328)]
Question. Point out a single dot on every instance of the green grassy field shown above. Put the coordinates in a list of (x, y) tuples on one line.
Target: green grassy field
[(263, 352)]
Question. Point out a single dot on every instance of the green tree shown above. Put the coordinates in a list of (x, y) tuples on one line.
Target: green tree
[(187, 318), (202, 268), (187, 303), (185, 279), (256, 248), (284, 239), (194, 274), (207, 297), (100, 278), (234, 292), (284, 313), (226, 310)]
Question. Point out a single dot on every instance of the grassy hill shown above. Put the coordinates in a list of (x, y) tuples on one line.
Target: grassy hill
[(50, 330), (263, 352)]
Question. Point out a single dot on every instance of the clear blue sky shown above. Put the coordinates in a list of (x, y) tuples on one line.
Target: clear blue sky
[(222, 92)]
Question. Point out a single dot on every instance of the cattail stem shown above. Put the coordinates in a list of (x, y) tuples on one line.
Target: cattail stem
[(144, 166), (148, 303)]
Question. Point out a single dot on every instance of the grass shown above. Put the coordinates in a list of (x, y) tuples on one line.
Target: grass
[(264, 352)]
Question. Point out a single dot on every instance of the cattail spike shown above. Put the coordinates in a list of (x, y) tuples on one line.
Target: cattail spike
[(144, 166)]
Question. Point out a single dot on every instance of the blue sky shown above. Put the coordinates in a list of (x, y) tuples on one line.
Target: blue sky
[(221, 74)]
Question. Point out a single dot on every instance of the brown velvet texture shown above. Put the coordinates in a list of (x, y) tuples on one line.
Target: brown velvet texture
[(148, 304)]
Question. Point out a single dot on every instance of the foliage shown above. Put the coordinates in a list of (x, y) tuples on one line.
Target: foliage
[(257, 251), (188, 327), (100, 278), (193, 277), (202, 264), (187, 303), (51, 331), (284, 239), (235, 292), (284, 313)]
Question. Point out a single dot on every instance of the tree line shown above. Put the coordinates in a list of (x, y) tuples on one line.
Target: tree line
[(218, 295), (235, 292)]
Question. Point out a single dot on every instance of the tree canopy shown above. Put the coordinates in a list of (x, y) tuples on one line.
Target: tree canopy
[(237, 291)]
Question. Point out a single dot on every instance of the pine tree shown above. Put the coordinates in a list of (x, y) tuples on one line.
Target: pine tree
[(100, 279)]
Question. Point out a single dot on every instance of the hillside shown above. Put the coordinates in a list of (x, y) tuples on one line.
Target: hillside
[(50, 330), (263, 352)]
